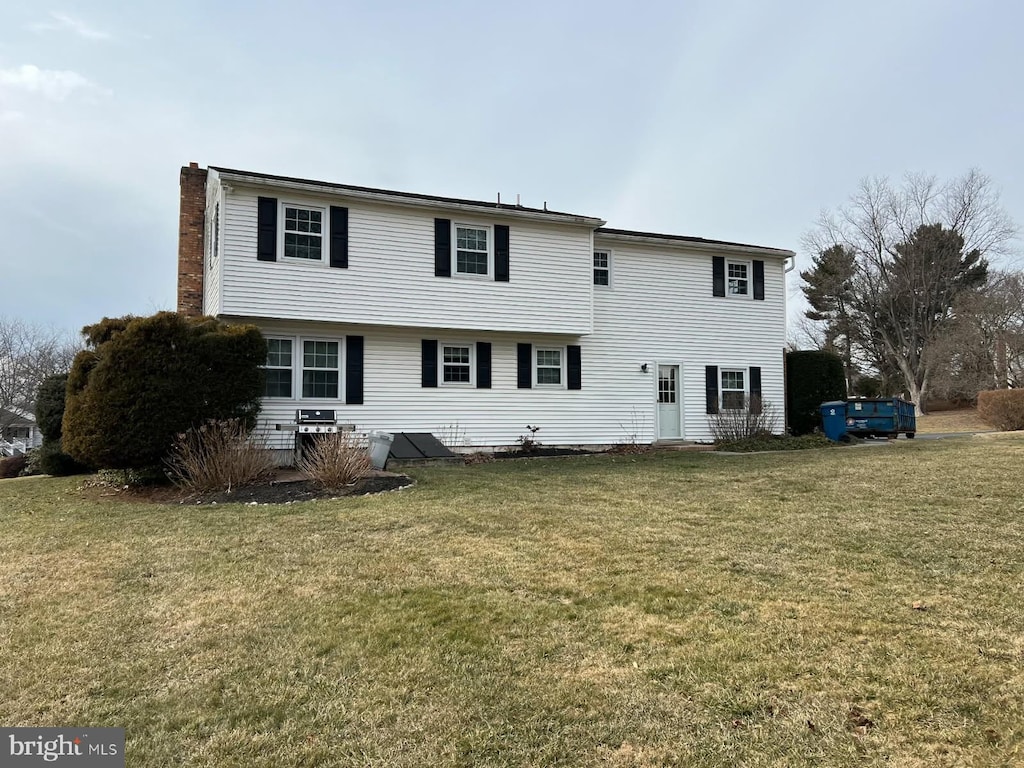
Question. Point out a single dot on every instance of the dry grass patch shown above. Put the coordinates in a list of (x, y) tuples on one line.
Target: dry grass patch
[(945, 422), (663, 609)]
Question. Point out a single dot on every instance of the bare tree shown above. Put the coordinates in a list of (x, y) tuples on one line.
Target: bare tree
[(915, 250), (28, 354)]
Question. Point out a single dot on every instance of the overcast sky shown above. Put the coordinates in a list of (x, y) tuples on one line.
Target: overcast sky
[(728, 120)]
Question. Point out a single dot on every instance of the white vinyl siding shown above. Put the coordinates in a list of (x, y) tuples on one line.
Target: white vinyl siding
[(213, 263), (390, 278), (660, 311)]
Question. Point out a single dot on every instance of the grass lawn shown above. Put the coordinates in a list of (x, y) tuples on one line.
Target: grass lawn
[(961, 420), (670, 608)]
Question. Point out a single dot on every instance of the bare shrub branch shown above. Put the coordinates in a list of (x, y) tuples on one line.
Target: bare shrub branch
[(756, 417), (219, 456), (335, 460)]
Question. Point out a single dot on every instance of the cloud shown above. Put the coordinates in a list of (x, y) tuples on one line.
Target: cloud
[(53, 84), (62, 21)]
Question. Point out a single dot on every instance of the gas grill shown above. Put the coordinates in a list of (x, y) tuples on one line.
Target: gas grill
[(316, 421)]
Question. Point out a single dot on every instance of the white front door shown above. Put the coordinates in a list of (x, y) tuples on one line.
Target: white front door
[(668, 403)]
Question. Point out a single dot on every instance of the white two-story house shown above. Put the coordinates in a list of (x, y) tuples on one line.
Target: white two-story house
[(415, 313)]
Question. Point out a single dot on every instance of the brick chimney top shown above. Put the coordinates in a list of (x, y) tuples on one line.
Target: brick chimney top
[(193, 165)]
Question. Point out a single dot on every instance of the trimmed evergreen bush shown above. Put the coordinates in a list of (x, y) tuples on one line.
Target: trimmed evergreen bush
[(145, 380), (49, 457), (812, 378), (1002, 408), (50, 405)]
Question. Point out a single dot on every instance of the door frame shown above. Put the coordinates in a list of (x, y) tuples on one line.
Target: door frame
[(679, 399)]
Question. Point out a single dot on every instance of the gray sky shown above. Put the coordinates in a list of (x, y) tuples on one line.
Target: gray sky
[(729, 120)]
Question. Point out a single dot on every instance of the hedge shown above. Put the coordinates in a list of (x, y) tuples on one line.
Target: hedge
[(1002, 408), (812, 378)]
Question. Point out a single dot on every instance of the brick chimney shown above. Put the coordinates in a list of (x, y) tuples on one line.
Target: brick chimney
[(191, 240)]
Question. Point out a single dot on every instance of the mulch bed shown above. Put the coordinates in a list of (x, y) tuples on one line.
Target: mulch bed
[(540, 452), (275, 492)]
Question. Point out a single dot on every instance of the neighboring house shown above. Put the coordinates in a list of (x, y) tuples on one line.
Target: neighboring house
[(417, 313), (18, 432)]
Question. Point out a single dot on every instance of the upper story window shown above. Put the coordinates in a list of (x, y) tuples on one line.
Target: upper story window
[(303, 233), (549, 367), (602, 267), (456, 364), (734, 390), (472, 250), (278, 382), (738, 278), (321, 368)]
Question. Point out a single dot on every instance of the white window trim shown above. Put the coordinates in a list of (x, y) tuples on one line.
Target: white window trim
[(561, 357), (472, 364), (281, 368), (721, 390), (324, 232), (750, 281), (489, 275), (300, 367), (611, 261)]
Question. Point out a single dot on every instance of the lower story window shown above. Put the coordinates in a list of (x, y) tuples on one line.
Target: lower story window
[(320, 369), (455, 364), (549, 366), (278, 368), (733, 390)]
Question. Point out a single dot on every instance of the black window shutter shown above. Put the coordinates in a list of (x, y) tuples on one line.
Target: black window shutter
[(442, 248), (718, 276), (574, 366), (500, 253), (758, 280), (429, 378), (711, 387), (339, 237), (353, 370), (755, 389), (266, 229), (524, 366), (483, 365)]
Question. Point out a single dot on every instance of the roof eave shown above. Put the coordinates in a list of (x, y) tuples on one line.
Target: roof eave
[(694, 245), (389, 198)]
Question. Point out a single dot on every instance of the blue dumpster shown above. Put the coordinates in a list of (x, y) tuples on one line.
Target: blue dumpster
[(880, 417), (833, 419)]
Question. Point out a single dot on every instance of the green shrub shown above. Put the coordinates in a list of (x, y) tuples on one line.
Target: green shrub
[(1002, 408), (49, 459), (50, 405), (146, 380), (12, 466), (219, 456), (812, 378)]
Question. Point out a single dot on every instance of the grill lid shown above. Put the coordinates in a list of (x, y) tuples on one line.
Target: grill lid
[(314, 416)]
